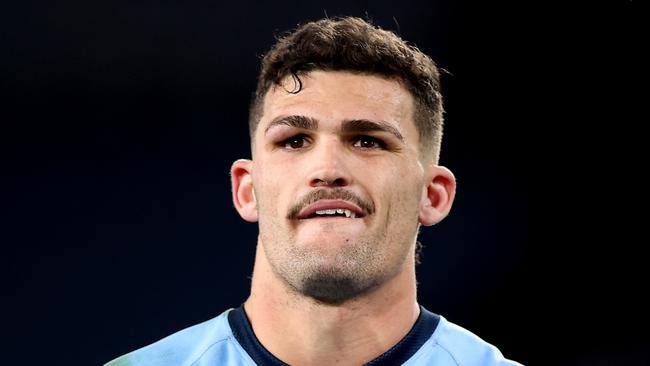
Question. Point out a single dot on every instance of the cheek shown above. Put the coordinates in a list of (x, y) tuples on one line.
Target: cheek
[(272, 187), (404, 191)]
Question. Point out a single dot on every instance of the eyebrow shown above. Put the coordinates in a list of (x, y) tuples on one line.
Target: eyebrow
[(348, 126), (364, 125), (303, 122)]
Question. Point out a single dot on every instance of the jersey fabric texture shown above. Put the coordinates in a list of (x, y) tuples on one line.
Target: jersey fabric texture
[(229, 340)]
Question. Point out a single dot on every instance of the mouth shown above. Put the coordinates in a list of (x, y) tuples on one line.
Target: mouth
[(331, 209), (338, 212)]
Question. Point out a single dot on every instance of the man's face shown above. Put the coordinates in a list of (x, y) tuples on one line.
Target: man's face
[(338, 183)]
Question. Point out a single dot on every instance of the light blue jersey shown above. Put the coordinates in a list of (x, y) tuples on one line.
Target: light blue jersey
[(229, 340)]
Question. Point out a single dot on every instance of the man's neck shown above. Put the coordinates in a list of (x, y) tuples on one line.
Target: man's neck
[(299, 331)]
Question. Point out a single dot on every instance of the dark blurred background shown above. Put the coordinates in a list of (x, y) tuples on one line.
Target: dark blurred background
[(120, 121)]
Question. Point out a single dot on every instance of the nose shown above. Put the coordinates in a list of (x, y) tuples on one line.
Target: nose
[(329, 165)]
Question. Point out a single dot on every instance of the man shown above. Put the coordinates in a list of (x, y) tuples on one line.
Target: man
[(345, 126)]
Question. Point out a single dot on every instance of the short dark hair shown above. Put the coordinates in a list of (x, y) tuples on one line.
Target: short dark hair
[(352, 44)]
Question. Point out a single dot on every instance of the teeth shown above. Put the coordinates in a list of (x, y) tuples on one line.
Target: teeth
[(339, 211)]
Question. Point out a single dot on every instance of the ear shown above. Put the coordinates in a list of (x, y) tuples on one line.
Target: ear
[(438, 195), (243, 195)]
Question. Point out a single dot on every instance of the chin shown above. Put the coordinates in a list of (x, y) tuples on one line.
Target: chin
[(331, 287)]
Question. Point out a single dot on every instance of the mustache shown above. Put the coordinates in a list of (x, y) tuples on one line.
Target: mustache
[(330, 194)]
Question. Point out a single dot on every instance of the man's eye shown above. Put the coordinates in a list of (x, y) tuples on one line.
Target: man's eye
[(295, 142), (367, 142)]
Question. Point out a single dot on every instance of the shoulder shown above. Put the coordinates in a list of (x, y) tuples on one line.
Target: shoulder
[(212, 338), (451, 344)]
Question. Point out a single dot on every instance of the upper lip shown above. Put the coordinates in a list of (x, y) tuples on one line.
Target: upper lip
[(330, 205)]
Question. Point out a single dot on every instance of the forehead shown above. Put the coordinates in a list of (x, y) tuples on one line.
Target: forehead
[(334, 96)]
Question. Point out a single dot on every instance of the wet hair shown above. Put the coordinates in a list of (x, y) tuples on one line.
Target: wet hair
[(355, 45)]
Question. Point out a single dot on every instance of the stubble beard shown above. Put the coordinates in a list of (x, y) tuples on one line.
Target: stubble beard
[(331, 278)]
